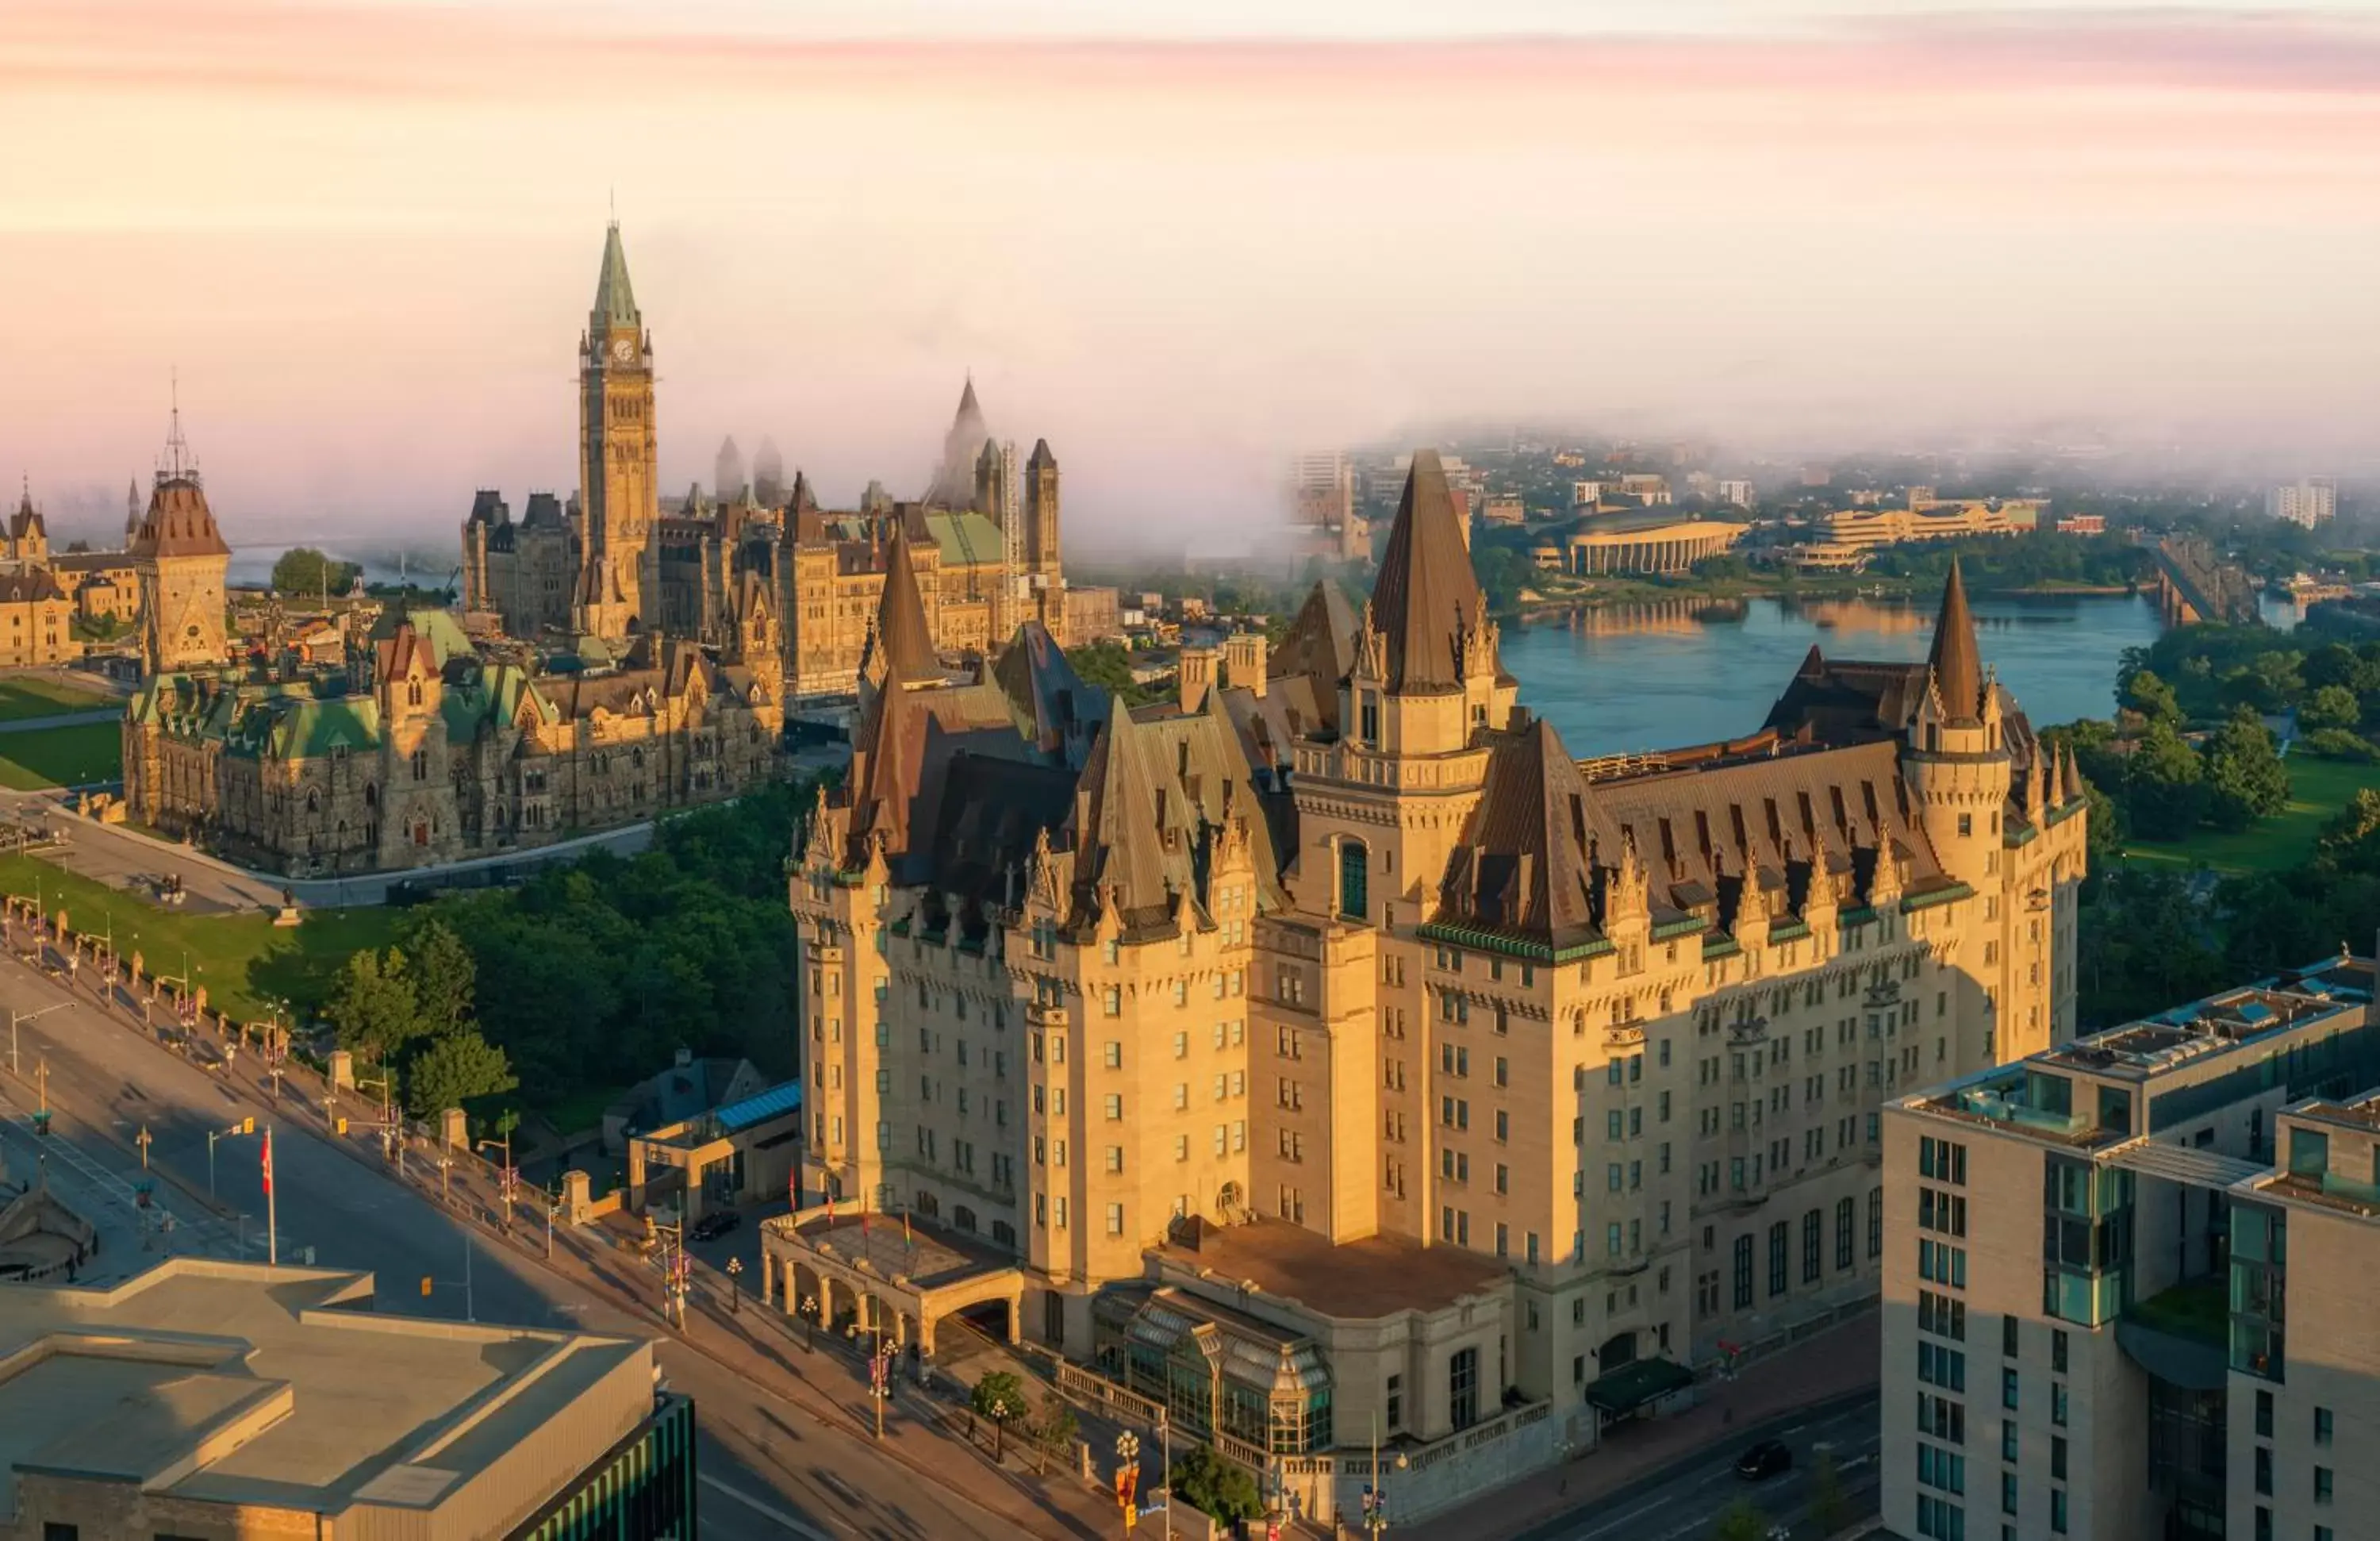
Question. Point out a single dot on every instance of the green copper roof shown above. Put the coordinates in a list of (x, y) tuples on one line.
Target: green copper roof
[(966, 539), (616, 298)]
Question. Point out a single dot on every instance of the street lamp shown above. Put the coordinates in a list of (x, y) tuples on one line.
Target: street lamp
[(735, 1286), (1375, 1495), (809, 1324), (505, 1144), (387, 1129), (245, 1126), (879, 1386), (1127, 1480), (1001, 1412), (16, 1019)]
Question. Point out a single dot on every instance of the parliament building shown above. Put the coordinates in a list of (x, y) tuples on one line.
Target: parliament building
[(617, 562), (1331, 1049)]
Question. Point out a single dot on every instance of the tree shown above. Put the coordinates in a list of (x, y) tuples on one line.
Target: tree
[(304, 570), (373, 1008), (2330, 705), (998, 1396), (444, 978), (453, 1069), (1741, 1522), (2245, 778), (1055, 1431), (2151, 697), (2350, 841), (2336, 665), (2165, 789), (1215, 1486), (1829, 1505)]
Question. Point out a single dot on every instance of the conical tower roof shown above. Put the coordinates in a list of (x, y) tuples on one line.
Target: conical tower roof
[(1526, 865), (1425, 595), (954, 481), (1956, 663), (903, 637), (615, 298)]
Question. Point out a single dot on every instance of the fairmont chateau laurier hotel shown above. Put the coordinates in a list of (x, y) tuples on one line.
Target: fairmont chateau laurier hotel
[(614, 658), (1331, 1048)]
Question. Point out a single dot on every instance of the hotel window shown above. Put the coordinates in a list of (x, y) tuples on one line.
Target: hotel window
[(1115, 1219), (1181, 1045), (1114, 1108), (1115, 1157), (1743, 1273), (1114, 1054), (1355, 878)]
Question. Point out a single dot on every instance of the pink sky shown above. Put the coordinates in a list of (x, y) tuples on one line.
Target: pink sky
[(367, 235)]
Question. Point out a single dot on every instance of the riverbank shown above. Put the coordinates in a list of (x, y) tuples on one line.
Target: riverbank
[(1603, 594)]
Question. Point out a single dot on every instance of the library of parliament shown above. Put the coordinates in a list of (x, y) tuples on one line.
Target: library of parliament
[(1329, 1049)]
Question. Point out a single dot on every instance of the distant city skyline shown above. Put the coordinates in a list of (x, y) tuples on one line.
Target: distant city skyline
[(1184, 242)]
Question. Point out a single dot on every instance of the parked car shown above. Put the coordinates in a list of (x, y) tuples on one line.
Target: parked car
[(718, 1223), (1764, 1460)]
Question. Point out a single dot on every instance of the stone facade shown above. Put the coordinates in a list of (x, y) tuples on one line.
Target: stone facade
[(421, 751), (2125, 1278), (1357, 946), (614, 563), (180, 558)]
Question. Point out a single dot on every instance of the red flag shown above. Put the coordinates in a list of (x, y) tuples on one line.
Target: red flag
[(268, 1160)]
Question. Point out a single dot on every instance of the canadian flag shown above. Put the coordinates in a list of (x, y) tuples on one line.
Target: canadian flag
[(268, 1160)]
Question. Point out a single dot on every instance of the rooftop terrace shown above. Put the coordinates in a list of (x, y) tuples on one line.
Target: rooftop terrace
[(1378, 1276), (2039, 1097)]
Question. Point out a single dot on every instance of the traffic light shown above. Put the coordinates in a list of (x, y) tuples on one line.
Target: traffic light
[(248, 1126), (425, 1286)]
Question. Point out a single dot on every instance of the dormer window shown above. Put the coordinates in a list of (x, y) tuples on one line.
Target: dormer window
[(413, 691)]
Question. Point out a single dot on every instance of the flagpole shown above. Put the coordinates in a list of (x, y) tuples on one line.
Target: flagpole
[(271, 1209)]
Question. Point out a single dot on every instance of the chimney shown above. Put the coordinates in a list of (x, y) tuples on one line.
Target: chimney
[(1244, 653), (1196, 676)]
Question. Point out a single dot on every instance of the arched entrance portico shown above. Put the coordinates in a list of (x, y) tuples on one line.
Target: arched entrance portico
[(879, 1273)]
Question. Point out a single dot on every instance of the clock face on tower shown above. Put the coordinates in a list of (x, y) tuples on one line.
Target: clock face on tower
[(624, 350)]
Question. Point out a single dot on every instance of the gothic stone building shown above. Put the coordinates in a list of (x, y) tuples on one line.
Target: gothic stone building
[(1341, 1019), (422, 751), (616, 563)]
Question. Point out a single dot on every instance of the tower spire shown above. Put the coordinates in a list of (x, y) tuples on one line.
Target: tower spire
[(1955, 661), (615, 298), (179, 465), (1425, 596)]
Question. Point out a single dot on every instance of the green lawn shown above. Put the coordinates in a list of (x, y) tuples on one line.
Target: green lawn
[(2318, 789), (244, 961), (62, 757), (23, 696)]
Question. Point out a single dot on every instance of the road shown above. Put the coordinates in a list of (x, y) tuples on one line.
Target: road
[(1684, 1501), (121, 858), (777, 1456)]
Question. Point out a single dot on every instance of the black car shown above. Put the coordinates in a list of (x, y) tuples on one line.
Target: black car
[(718, 1223), (1764, 1460)]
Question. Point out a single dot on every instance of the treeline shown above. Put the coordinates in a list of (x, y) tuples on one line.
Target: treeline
[(2161, 786), (2151, 939), (589, 976)]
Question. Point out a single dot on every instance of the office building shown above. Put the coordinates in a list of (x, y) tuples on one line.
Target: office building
[(2309, 501), (229, 1400), (2126, 1280)]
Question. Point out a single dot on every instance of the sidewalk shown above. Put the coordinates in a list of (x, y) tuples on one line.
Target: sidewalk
[(1834, 1364)]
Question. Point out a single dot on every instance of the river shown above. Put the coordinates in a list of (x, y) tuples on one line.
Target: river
[(1633, 677)]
